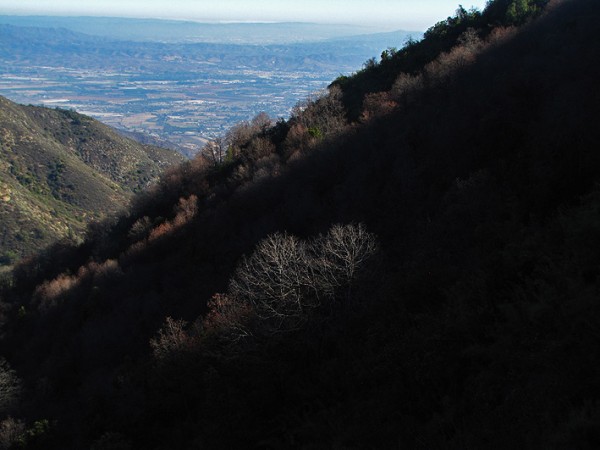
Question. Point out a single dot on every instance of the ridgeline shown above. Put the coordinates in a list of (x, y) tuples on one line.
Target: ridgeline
[(59, 171)]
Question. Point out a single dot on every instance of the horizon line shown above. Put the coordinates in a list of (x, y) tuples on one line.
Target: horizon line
[(390, 27)]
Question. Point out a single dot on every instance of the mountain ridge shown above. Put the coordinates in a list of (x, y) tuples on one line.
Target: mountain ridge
[(182, 31), (59, 170)]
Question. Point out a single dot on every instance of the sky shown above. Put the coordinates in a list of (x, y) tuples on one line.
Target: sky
[(391, 14)]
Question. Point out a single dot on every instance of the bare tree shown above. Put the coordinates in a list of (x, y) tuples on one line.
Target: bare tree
[(285, 278), (171, 339), (261, 122), (341, 253), (227, 317), (273, 279), (215, 151), (240, 135)]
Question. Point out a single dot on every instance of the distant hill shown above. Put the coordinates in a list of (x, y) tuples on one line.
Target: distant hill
[(181, 31), (31, 44), (59, 170)]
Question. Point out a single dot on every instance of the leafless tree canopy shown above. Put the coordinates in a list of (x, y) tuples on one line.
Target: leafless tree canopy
[(241, 135), (274, 277), (341, 253), (171, 339), (285, 277), (215, 151)]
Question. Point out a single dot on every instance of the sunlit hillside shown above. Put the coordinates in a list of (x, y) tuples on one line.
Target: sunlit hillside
[(59, 171)]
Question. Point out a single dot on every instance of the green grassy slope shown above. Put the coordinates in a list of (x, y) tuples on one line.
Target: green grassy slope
[(59, 170)]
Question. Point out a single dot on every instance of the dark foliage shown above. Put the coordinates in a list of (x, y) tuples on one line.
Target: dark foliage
[(473, 324), (379, 76)]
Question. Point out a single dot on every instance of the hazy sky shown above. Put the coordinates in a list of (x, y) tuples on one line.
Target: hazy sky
[(408, 14)]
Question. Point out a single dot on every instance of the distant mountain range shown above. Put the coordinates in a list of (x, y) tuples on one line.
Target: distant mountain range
[(59, 170), (36, 44), (181, 31)]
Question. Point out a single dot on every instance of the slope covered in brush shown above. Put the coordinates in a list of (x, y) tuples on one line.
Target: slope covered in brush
[(59, 170), (423, 277), (377, 76)]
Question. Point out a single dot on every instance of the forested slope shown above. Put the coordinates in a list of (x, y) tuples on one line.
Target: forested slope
[(425, 276)]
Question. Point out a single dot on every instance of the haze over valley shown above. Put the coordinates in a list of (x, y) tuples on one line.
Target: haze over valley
[(163, 84)]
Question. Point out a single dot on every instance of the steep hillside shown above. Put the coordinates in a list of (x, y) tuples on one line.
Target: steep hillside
[(425, 276), (442, 37), (59, 170)]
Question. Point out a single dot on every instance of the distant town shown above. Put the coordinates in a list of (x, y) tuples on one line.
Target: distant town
[(185, 112)]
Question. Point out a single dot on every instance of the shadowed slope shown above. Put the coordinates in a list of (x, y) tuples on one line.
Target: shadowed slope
[(472, 327)]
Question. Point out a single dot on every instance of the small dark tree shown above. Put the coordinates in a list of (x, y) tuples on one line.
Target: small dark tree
[(323, 115)]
